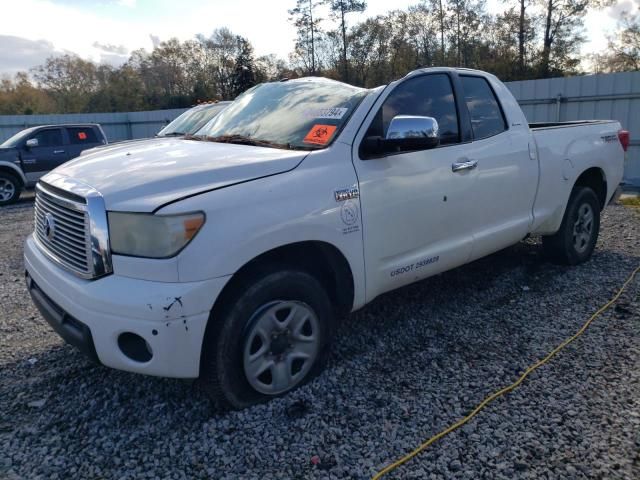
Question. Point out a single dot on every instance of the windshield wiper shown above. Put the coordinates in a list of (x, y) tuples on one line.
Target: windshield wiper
[(171, 134), (243, 140)]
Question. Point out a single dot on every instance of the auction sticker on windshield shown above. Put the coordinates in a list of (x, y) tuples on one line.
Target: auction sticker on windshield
[(320, 134), (332, 113)]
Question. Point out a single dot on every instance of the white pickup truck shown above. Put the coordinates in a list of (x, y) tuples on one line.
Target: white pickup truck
[(231, 254)]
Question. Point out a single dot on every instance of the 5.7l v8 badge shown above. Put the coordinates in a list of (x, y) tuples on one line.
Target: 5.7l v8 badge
[(346, 193)]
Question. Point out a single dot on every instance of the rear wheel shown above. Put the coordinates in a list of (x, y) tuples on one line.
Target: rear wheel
[(576, 239), (9, 188), (269, 338)]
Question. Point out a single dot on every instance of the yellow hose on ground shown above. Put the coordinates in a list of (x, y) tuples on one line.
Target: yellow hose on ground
[(508, 388)]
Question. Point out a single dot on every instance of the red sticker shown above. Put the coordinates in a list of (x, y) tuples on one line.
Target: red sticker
[(82, 135), (320, 134)]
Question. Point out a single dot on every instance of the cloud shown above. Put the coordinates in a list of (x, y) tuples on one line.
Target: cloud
[(628, 6), (88, 32), (109, 48), (127, 3), (155, 40), (113, 60), (21, 54)]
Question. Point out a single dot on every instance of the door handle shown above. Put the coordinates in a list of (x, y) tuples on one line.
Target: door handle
[(466, 165), (58, 151)]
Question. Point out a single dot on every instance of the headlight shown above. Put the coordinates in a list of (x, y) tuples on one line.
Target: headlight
[(152, 236)]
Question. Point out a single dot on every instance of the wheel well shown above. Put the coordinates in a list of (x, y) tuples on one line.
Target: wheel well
[(13, 173), (320, 259), (595, 180)]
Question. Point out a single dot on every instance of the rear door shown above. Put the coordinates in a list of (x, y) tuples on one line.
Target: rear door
[(50, 152), (507, 176), (82, 138)]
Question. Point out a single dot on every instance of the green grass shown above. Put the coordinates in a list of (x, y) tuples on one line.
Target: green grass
[(630, 201)]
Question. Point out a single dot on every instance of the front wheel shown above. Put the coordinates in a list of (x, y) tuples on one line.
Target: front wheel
[(9, 188), (269, 338), (576, 239)]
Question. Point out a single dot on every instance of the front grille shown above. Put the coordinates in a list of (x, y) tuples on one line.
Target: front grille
[(62, 230)]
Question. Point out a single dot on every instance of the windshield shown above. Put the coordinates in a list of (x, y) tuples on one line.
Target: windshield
[(296, 114), (192, 120), (16, 140)]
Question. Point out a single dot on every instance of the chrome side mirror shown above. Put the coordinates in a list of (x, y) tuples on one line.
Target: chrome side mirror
[(406, 133), (32, 142), (414, 127)]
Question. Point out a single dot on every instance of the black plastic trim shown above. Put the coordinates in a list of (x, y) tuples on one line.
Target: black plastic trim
[(72, 331)]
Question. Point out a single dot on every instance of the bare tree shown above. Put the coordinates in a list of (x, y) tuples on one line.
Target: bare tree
[(308, 27), (339, 10), (624, 48), (563, 21)]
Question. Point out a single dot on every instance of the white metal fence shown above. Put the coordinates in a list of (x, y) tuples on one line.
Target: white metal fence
[(608, 96)]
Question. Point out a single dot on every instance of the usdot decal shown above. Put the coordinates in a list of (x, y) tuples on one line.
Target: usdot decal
[(330, 113), (414, 266), (350, 214)]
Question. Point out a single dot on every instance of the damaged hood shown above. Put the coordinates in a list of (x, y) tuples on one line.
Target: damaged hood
[(141, 176)]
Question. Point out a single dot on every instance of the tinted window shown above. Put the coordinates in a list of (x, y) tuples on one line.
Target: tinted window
[(82, 135), (486, 116), (49, 138), (428, 96)]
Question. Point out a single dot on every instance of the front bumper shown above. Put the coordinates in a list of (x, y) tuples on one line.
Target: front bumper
[(93, 315)]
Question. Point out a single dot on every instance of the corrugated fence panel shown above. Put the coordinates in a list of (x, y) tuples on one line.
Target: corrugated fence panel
[(609, 96), (117, 126)]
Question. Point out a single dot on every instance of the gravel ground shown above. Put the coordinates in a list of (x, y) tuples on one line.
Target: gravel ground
[(402, 369)]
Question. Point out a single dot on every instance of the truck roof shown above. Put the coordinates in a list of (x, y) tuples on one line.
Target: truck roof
[(67, 125)]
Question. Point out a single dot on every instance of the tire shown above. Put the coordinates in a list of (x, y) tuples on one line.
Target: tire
[(267, 321), (576, 239), (10, 188)]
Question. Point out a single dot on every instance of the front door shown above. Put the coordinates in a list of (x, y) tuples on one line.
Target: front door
[(50, 152), (416, 211)]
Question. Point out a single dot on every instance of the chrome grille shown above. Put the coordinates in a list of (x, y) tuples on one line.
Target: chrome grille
[(62, 230)]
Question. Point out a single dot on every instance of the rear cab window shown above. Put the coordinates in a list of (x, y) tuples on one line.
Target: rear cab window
[(487, 118), (82, 135)]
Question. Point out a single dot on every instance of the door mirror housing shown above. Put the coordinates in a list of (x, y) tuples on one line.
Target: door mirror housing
[(32, 142), (405, 133)]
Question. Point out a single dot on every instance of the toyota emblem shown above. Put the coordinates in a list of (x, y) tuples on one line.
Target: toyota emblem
[(49, 226)]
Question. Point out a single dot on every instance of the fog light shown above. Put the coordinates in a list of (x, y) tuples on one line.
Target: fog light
[(135, 347)]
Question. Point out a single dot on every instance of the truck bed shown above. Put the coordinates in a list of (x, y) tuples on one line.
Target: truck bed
[(563, 154)]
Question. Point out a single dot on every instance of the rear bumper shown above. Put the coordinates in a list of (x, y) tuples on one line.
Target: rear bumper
[(170, 318)]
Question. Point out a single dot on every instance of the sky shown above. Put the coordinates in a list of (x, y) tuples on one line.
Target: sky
[(108, 30)]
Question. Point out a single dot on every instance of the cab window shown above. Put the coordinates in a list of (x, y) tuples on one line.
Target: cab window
[(486, 116), (51, 137), (427, 96)]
